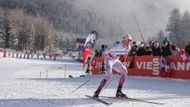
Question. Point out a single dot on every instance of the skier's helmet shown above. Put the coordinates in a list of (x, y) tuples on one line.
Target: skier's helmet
[(95, 33), (126, 39)]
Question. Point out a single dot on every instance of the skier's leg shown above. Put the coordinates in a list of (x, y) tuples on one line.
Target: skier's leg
[(119, 67), (103, 83), (119, 92), (106, 80)]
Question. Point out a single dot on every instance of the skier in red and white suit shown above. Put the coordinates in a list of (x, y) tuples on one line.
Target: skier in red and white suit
[(111, 60)]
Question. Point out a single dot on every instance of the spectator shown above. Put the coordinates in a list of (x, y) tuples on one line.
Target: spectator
[(134, 50), (148, 50), (103, 47), (134, 43), (187, 47), (175, 50), (151, 44), (166, 50), (156, 50), (166, 40), (141, 51), (96, 54)]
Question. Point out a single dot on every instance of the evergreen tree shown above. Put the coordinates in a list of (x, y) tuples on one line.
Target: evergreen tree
[(2, 28), (173, 27), (5, 27), (185, 28), (31, 36)]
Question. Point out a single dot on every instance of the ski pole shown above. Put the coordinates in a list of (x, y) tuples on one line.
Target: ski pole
[(135, 17), (84, 83), (81, 85)]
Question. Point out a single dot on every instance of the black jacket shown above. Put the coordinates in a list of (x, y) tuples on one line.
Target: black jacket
[(166, 51), (156, 51)]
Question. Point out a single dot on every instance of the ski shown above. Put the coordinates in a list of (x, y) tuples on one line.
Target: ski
[(133, 99), (100, 100)]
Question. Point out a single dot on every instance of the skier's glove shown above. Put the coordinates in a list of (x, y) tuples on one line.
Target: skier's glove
[(103, 67)]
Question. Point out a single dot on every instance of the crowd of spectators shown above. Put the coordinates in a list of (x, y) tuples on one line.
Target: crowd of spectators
[(152, 48), (100, 52)]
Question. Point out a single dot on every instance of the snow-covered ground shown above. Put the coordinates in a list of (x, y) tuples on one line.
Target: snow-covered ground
[(22, 86)]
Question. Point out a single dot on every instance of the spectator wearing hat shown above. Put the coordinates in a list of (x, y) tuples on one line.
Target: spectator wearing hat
[(166, 50), (134, 50), (156, 50), (141, 50)]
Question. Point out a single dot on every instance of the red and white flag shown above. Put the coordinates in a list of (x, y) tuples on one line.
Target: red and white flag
[(184, 56)]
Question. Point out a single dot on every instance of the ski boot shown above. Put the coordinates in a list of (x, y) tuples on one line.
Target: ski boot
[(120, 94), (87, 71), (96, 94)]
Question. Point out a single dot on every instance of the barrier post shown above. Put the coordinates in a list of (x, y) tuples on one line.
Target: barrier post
[(40, 74), (46, 73), (65, 73)]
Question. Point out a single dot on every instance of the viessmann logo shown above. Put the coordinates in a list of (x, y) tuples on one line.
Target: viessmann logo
[(153, 65)]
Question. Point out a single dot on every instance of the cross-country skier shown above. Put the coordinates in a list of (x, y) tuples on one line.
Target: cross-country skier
[(111, 59)]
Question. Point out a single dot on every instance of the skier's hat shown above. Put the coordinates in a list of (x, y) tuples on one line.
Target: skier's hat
[(126, 37)]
